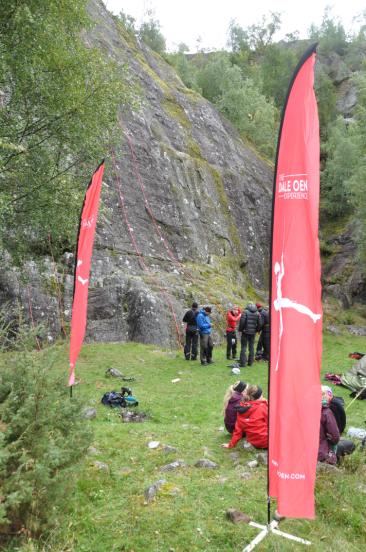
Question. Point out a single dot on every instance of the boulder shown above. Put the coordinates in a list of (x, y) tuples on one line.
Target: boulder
[(237, 517), (204, 463), (173, 466)]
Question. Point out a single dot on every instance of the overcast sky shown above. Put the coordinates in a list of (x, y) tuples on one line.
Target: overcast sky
[(186, 20)]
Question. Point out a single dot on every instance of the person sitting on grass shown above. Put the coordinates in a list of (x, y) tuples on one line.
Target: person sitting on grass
[(252, 419), (331, 448), (232, 399)]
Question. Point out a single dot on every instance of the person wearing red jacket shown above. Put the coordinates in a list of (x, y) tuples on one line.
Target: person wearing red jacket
[(252, 419), (232, 318)]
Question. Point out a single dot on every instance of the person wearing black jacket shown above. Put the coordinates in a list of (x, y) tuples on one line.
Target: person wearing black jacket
[(250, 323), (191, 345), (265, 331), (259, 349)]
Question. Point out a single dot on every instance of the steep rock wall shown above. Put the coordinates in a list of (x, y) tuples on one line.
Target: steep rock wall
[(194, 197)]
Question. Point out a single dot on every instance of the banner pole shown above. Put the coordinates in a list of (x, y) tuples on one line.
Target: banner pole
[(355, 398)]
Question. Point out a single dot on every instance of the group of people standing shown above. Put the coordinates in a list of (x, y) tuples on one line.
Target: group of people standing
[(198, 324), (254, 319)]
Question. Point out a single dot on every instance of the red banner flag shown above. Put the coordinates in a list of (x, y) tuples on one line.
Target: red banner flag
[(88, 221), (296, 312)]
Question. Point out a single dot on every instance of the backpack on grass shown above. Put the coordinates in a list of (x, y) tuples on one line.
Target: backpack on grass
[(120, 399)]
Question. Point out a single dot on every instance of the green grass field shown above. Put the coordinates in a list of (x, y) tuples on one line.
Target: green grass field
[(108, 512)]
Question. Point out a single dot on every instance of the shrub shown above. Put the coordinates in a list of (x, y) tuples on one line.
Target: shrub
[(42, 439), (15, 333)]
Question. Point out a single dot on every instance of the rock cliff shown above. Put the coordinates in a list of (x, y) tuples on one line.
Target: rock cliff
[(185, 213)]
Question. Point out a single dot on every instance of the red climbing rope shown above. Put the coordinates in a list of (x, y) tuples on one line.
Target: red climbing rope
[(173, 258), (143, 264)]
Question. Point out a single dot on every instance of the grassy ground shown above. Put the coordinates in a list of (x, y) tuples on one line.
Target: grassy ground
[(108, 510)]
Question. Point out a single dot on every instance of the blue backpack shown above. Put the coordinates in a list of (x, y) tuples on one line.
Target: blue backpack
[(121, 399)]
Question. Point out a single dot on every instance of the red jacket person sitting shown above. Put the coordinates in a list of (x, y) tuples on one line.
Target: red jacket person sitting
[(252, 419)]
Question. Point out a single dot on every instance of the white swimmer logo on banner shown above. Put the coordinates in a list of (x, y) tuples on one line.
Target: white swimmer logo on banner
[(284, 303), (82, 280)]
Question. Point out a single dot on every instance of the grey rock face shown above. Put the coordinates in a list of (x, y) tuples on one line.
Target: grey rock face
[(350, 285), (193, 192), (356, 330), (235, 457), (335, 67)]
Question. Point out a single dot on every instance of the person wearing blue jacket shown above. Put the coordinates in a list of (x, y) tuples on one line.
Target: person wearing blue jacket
[(204, 328)]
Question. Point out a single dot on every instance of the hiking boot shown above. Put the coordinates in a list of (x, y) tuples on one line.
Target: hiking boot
[(194, 358), (204, 363), (210, 362), (188, 357)]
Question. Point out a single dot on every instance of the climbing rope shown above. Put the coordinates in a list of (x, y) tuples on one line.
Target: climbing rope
[(139, 254), (186, 272)]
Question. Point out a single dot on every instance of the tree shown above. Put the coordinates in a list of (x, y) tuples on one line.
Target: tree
[(342, 151), (150, 33), (252, 114), (254, 38), (276, 68), (327, 97), (186, 70), (57, 115), (42, 439), (215, 75), (342, 181), (128, 22), (331, 34)]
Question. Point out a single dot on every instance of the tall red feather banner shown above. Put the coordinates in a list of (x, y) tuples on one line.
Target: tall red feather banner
[(88, 222), (296, 312)]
